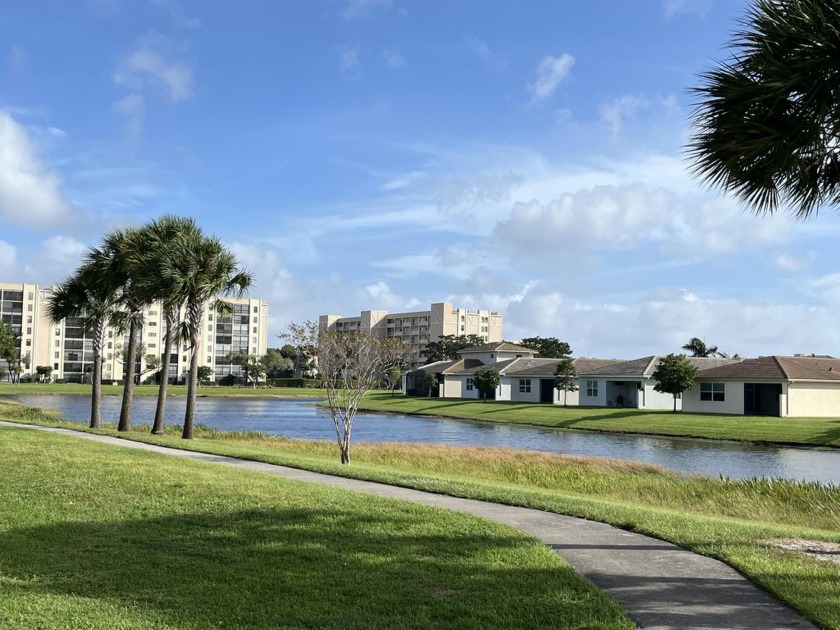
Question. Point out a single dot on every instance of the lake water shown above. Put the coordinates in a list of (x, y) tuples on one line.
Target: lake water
[(297, 418)]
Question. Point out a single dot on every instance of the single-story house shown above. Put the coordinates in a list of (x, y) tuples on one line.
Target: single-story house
[(769, 386), (631, 383)]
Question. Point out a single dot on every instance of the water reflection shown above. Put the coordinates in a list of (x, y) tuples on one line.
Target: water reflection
[(303, 419)]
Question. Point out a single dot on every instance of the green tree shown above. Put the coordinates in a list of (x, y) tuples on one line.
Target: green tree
[(205, 372), (276, 363), (674, 375), (565, 377), (766, 122), (393, 376), (92, 297), (9, 348), (698, 348), (253, 367), (448, 347), (44, 373), (548, 347), (164, 269), (118, 262), (349, 366), (213, 271), (486, 380)]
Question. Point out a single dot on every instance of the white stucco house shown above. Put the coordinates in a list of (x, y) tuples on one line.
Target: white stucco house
[(804, 386), (631, 383)]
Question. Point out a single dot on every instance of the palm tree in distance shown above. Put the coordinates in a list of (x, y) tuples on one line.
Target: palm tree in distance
[(90, 297), (118, 262), (212, 271), (165, 270), (766, 124), (698, 348)]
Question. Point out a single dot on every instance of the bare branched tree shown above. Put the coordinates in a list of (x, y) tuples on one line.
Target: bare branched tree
[(348, 366)]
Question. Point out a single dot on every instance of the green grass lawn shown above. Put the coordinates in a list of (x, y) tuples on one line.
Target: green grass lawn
[(807, 431), (92, 536), (152, 390), (732, 520)]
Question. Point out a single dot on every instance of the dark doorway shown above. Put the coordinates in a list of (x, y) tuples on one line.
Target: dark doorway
[(762, 399), (546, 390)]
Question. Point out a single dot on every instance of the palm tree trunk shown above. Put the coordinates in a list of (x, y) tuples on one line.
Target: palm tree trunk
[(192, 384), (128, 378), (157, 427)]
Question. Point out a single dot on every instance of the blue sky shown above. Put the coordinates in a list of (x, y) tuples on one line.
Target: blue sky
[(525, 157)]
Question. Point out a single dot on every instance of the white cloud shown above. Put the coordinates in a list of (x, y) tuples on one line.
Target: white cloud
[(394, 59), (677, 7), (480, 49), (29, 193), (8, 257), (133, 107), (364, 8), (179, 17), (348, 62), (403, 181), (551, 71), (615, 112), (380, 297), (17, 59), (147, 65), (64, 250)]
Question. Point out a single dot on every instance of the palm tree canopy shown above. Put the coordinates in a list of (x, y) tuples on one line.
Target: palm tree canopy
[(698, 348), (767, 121), (85, 294)]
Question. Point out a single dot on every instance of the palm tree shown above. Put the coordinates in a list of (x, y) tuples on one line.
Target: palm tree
[(165, 270), (698, 348), (118, 262), (89, 296), (213, 271), (766, 124)]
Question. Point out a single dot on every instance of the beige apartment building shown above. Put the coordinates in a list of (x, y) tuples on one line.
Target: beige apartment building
[(417, 328), (69, 350)]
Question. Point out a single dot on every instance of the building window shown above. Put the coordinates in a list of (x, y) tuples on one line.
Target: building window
[(57, 343), (57, 356), (30, 296), (152, 323), (28, 343), (255, 330), (29, 319), (210, 317), (470, 384), (55, 366), (110, 356), (256, 310), (110, 344), (525, 385), (210, 327), (152, 312), (110, 334), (253, 340), (151, 334), (29, 330), (592, 388), (30, 308), (58, 332), (209, 359), (715, 392)]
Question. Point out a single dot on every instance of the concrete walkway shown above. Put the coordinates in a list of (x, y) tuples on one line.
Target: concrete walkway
[(657, 583)]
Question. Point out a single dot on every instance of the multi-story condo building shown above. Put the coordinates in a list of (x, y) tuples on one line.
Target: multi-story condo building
[(68, 349), (417, 328)]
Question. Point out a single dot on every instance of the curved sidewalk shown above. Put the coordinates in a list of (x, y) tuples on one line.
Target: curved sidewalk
[(659, 584)]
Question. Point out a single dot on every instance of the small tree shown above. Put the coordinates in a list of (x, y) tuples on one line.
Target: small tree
[(393, 376), (429, 383), (674, 374), (548, 347), (349, 366), (44, 373), (448, 347), (486, 381), (204, 374), (565, 377)]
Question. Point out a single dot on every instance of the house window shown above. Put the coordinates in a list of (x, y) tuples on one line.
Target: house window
[(470, 384), (525, 385), (592, 389), (715, 392)]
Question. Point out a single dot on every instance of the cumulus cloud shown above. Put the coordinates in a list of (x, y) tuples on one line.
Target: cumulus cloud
[(364, 8), (631, 216), (29, 193), (148, 66), (551, 71), (663, 319), (64, 250)]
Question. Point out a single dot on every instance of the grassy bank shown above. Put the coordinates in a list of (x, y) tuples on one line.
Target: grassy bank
[(731, 520), (97, 537), (802, 431), (152, 390)]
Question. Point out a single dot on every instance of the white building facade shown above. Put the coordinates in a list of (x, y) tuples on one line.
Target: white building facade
[(68, 349)]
